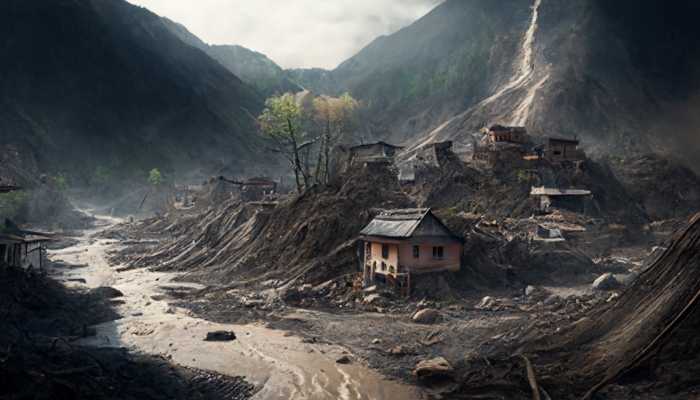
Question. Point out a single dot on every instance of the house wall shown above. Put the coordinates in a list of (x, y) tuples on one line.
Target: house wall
[(426, 263), (376, 257)]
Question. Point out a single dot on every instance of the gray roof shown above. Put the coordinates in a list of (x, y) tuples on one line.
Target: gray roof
[(543, 191), (408, 223), (396, 223)]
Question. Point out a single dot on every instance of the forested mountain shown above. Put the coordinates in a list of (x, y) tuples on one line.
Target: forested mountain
[(88, 85), (622, 75), (254, 68)]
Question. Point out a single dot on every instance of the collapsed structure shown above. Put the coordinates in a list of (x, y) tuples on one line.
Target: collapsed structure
[(575, 200), (20, 248), (400, 243)]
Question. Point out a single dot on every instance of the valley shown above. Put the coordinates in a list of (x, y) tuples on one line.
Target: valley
[(496, 200)]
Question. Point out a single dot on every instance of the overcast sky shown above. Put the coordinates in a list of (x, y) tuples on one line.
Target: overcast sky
[(294, 33)]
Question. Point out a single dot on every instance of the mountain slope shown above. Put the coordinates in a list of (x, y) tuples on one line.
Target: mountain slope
[(622, 75), (254, 68), (90, 83)]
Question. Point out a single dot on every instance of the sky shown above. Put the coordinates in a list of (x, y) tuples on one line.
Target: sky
[(293, 33)]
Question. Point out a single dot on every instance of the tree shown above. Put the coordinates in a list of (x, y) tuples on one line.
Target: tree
[(281, 122), (155, 178), (333, 116)]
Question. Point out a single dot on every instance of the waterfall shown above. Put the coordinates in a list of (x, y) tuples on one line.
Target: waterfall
[(524, 75)]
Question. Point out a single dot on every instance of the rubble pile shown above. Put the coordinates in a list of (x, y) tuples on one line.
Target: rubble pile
[(309, 239)]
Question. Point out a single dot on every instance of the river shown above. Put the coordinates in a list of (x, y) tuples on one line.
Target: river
[(280, 364)]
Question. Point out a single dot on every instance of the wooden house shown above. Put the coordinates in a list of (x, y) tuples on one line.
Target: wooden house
[(398, 244), (20, 248), (561, 150)]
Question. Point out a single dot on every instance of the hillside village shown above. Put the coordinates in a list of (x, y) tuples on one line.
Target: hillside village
[(498, 201)]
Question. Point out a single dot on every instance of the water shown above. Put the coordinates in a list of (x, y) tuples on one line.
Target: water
[(279, 363)]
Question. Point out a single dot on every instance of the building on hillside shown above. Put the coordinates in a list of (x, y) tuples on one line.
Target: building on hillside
[(7, 185), (373, 152), (575, 200), (20, 248), (399, 244), (507, 134), (560, 150), (502, 146)]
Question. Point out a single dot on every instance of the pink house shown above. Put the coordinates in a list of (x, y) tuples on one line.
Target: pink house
[(399, 244)]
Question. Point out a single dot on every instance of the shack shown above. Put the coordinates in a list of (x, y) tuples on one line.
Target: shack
[(20, 248), (398, 244), (507, 134), (373, 152), (561, 150), (567, 199)]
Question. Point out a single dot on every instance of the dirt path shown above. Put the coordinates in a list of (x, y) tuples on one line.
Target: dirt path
[(280, 364)]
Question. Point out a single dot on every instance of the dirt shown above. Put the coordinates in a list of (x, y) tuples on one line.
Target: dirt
[(278, 364)]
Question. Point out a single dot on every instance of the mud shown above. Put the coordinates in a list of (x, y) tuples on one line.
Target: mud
[(278, 364)]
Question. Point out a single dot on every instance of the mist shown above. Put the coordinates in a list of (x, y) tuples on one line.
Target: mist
[(299, 33)]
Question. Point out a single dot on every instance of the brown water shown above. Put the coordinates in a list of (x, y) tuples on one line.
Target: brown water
[(277, 362)]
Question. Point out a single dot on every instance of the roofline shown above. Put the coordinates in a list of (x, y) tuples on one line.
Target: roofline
[(376, 143), (564, 140)]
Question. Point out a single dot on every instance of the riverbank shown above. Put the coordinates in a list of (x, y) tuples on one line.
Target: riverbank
[(279, 364)]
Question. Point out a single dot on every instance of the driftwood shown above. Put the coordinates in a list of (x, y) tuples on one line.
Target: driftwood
[(532, 379)]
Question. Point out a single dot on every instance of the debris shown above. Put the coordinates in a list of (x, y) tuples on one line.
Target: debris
[(605, 282), (220, 336), (434, 368), (344, 360), (427, 316)]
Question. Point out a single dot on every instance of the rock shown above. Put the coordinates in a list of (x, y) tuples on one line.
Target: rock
[(530, 290), (220, 336), (551, 300), (372, 298), (370, 289), (605, 282), (433, 368), (487, 303), (627, 279), (427, 316), (344, 360), (107, 292), (376, 341), (401, 350), (614, 296)]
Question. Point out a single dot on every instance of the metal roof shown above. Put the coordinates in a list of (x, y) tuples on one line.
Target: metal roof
[(543, 191), (360, 146), (396, 223)]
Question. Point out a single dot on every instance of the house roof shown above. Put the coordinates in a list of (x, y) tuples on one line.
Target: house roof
[(544, 191), (362, 146), (12, 233), (501, 128), (563, 140), (403, 224)]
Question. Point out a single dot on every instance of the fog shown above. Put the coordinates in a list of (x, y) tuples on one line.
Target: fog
[(294, 33)]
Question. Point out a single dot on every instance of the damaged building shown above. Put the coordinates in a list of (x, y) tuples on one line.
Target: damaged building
[(20, 248), (401, 244), (501, 145), (546, 199)]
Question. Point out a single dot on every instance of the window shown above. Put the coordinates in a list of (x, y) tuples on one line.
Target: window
[(383, 266), (438, 252), (557, 152), (369, 250), (385, 251), (416, 251), (391, 269)]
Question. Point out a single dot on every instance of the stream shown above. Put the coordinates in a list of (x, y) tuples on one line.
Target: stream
[(280, 364)]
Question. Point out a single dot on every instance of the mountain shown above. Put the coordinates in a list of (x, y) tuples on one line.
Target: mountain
[(621, 75), (254, 68), (102, 85)]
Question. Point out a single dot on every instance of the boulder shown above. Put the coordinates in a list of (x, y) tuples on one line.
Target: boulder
[(605, 282), (434, 368), (486, 303), (530, 290), (427, 316), (220, 336), (344, 360), (107, 292)]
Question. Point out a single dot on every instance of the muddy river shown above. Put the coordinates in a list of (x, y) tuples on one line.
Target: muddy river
[(280, 364)]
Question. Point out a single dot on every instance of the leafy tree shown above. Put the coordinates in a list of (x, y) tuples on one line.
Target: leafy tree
[(281, 122), (334, 116), (155, 178)]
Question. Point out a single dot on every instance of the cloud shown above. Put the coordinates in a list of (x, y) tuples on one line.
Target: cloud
[(294, 33)]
